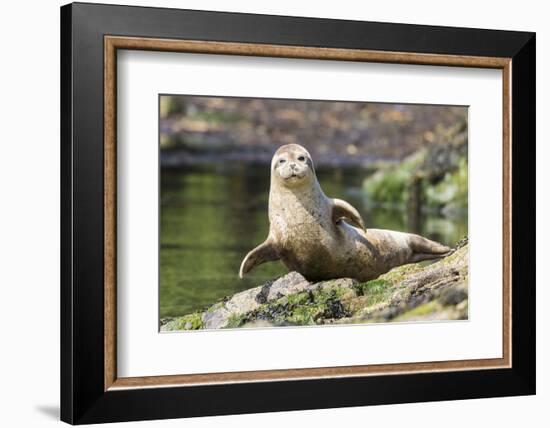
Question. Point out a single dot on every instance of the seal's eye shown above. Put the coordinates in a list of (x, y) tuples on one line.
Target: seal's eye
[(301, 158), (282, 161)]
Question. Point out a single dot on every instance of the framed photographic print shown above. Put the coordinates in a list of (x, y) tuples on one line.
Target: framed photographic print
[(265, 213)]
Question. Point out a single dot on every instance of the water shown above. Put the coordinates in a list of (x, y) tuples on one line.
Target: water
[(212, 216)]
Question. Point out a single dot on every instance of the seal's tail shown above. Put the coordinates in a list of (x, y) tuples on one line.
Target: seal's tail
[(425, 249)]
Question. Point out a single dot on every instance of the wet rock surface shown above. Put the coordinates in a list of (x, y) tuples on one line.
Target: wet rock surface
[(414, 292)]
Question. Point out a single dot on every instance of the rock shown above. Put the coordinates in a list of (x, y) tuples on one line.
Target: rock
[(219, 316), (413, 292), (216, 318), (258, 324), (453, 295), (290, 283)]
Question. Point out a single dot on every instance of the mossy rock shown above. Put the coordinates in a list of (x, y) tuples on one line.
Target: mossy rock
[(187, 322), (392, 184), (434, 178), (414, 292)]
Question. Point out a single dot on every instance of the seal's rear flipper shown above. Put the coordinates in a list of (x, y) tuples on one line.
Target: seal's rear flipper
[(266, 252), (425, 249), (420, 257), (342, 209)]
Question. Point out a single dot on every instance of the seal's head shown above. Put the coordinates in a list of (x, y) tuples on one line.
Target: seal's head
[(292, 166)]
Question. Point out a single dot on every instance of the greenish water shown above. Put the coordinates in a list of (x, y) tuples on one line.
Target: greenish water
[(212, 216)]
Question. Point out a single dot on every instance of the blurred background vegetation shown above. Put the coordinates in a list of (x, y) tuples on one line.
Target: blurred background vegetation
[(405, 167)]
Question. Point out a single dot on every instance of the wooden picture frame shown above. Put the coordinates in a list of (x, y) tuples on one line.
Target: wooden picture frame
[(91, 390)]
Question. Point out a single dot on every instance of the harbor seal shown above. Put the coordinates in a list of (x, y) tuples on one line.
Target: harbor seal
[(324, 238)]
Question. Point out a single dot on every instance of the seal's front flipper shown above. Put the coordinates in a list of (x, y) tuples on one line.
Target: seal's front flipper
[(342, 209), (266, 252)]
